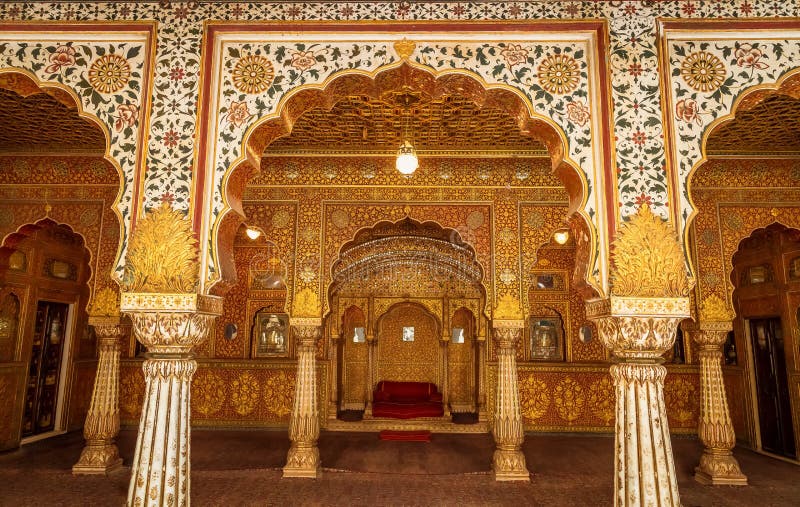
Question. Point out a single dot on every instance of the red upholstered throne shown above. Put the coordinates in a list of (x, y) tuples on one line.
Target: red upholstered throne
[(406, 400)]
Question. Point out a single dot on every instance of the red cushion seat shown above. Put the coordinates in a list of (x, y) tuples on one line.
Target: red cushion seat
[(406, 400)]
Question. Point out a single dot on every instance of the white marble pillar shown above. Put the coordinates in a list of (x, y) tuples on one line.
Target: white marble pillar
[(169, 325), (508, 463), (638, 331), (303, 456), (717, 464), (100, 455)]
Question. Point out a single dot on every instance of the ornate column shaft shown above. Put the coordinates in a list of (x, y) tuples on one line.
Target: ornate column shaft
[(480, 403), (508, 463), (169, 325), (100, 455), (370, 380), (717, 464), (443, 343), (303, 456), (333, 375), (638, 331)]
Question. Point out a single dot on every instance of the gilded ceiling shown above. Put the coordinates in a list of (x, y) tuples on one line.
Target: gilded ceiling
[(446, 125), (39, 124), (772, 127)]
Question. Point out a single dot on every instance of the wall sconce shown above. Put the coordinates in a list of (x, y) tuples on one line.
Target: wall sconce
[(561, 237), (253, 233)]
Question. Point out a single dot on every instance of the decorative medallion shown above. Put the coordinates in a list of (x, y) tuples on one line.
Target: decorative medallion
[(508, 276), (710, 279), (22, 169), (405, 48), (602, 399), (253, 74), (281, 219), (733, 221), (340, 218), (558, 74), (535, 220), (208, 393), (708, 237), (703, 71), (475, 220), (109, 73), (506, 236), (244, 393), (60, 169), (534, 399), (279, 393), (308, 274), (6, 217), (89, 217), (569, 399)]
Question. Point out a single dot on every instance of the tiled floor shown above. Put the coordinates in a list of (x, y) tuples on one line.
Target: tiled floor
[(243, 468)]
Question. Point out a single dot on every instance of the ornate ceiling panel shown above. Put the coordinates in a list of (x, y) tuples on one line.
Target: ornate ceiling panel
[(41, 124), (771, 127), (444, 125)]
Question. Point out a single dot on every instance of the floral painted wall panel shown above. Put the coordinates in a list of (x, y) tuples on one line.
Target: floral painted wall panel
[(709, 70), (639, 150), (107, 71), (254, 72)]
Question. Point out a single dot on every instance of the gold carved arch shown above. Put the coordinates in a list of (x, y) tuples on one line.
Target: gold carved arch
[(25, 84), (374, 84), (788, 84)]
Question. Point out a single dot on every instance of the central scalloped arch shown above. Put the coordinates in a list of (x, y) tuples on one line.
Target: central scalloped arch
[(389, 78)]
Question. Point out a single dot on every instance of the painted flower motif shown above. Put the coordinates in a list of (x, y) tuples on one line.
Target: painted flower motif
[(703, 71), (303, 60), (253, 74), (170, 138), (109, 73), (177, 73), (688, 111), (558, 74), (127, 116), (238, 113), (63, 56), (514, 54), (747, 56), (578, 113)]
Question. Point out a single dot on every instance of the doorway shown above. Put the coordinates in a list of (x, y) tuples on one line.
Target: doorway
[(44, 369), (772, 387)]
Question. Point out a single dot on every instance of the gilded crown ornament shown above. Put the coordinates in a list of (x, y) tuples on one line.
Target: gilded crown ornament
[(162, 255), (405, 48), (105, 303), (714, 309), (306, 304), (648, 259)]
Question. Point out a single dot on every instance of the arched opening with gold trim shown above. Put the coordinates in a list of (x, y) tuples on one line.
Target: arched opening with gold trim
[(407, 261), (491, 174), (44, 271), (56, 178), (747, 184)]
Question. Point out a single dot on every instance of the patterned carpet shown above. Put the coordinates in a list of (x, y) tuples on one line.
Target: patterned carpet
[(243, 468)]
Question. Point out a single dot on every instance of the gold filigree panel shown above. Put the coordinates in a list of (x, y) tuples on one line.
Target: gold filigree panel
[(416, 360), (770, 127), (57, 170), (40, 123), (363, 124)]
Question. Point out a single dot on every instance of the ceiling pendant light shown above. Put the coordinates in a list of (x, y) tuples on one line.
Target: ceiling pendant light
[(406, 161)]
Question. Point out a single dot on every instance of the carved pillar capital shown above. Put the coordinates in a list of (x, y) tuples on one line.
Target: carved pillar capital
[(508, 461)]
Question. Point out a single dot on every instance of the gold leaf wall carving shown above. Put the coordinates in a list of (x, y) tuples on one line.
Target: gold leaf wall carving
[(415, 361), (162, 254), (647, 258)]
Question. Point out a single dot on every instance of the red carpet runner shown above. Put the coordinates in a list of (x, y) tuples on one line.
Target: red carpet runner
[(406, 436)]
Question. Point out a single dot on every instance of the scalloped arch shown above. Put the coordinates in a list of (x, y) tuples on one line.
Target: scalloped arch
[(386, 79)]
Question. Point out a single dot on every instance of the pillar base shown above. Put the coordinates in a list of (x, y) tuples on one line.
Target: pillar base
[(303, 463), (509, 466), (98, 459), (719, 469)]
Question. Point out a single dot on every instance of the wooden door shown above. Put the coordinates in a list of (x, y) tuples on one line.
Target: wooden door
[(772, 388), (44, 371)]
